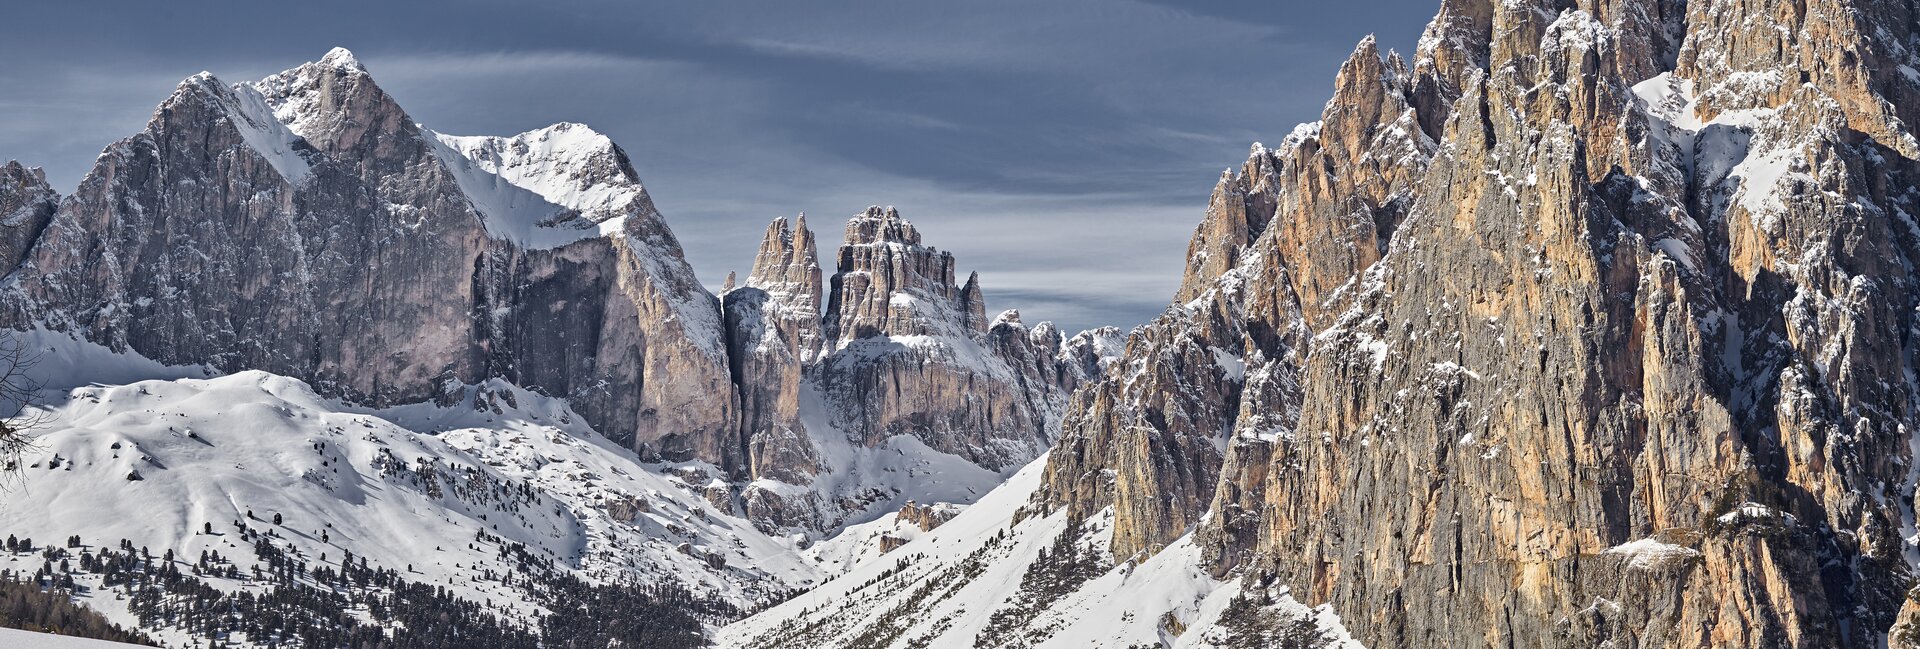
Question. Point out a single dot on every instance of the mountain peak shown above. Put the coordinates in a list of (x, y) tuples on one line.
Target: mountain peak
[(341, 58), (881, 225), (1368, 44), (788, 262), (202, 97), (335, 104), (522, 182), (199, 83), (571, 138)]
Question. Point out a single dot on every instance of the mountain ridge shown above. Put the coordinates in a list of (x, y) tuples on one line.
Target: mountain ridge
[(298, 255), (1591, 325)]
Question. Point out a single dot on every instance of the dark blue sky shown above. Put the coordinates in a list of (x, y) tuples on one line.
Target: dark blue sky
[(1064, 149)]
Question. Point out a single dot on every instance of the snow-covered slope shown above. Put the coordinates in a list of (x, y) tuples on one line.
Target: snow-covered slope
[(141, 453), (262, 131), (543, 188), (1004, 573), (31, 640), (568, 164), (857, 544)]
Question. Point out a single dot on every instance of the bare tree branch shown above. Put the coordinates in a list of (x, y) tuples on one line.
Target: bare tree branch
[(18, 390)]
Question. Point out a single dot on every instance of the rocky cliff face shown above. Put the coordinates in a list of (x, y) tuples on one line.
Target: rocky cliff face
[(913, 354), (27, 204), (305, 225), (899, 351), (1592, 327), (773, 327)]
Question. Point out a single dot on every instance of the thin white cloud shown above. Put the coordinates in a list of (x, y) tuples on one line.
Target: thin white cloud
[(1082, 36), (405, 67)]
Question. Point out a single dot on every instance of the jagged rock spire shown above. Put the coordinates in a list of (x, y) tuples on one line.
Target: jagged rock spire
[(787, 268), (889, 284), (773, 335), (973, 303)]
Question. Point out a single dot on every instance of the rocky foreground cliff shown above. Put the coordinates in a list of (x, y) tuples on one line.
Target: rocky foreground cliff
[(1590, 325)]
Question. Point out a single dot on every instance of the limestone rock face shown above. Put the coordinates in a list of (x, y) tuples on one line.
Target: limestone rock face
[(1282, 235), (305, 225), (27, 204), (773, 328), (888, 284), (1592, 327), (899, 351), (910, 352)]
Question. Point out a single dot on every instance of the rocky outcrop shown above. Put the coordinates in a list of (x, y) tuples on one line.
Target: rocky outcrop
[(900, 350), (1589, 328), (1142, 439), (27, 204), (888, 284), (889, 543), (926, 517), (305, 225), (911, 353), (773, 329)]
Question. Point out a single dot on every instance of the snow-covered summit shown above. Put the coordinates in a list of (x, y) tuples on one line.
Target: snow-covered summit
[(547, 186), (342, 59), (540, 189), (332, 100), (245, 108)]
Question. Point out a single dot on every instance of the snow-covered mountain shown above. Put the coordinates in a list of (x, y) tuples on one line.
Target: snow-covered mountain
[(306, 226), (285, 324), (1001, 573), (1590, 325)]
